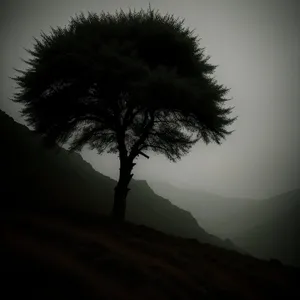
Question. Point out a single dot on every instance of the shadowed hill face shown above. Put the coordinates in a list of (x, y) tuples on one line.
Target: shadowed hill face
[(142, 198), (42, 179)]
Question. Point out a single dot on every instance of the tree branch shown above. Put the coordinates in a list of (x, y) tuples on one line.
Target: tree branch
[(143, 154), (155, 147), (135, 149), (131, 118)]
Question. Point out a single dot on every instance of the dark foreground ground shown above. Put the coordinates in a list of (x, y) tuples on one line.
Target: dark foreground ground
[(60, 256)]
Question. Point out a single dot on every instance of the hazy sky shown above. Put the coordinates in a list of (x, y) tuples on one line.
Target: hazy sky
[(256, 45)]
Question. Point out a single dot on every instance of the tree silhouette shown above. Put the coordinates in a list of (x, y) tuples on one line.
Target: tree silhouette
[(123, 83)]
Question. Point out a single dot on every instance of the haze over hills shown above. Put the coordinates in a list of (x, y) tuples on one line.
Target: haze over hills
[(209, 209), (271, 228), (39, 178), (267, 228)]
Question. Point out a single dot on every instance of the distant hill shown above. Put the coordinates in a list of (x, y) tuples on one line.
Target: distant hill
[(210, 210), (271, 228), (36, 178), (267, 228)]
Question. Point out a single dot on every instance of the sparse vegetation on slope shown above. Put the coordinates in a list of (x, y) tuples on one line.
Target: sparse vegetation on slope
[(87, 256)]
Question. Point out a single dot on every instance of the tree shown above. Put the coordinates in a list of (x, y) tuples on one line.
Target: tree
[(125, 83)]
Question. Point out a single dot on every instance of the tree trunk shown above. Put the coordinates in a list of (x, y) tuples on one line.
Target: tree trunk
[(121, 190)]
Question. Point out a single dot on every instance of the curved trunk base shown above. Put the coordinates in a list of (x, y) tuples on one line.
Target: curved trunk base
[(119, 206)]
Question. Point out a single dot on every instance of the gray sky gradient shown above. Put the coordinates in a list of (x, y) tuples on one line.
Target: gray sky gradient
[(256, 46)]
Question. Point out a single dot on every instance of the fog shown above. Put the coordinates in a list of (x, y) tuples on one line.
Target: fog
[(256, 46)]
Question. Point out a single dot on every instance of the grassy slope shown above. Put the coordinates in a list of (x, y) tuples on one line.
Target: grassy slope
[(49, 256)]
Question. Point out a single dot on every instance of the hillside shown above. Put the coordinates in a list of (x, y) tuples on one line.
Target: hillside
[(57, 242), (84, 256), (40, 179), (266, 228)]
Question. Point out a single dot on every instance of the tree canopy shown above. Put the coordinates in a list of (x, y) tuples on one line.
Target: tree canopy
[(123, 83)]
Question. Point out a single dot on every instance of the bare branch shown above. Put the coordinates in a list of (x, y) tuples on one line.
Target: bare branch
[(143, 154)]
